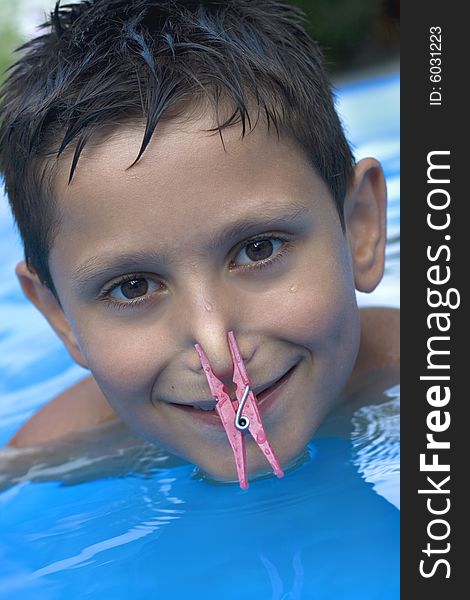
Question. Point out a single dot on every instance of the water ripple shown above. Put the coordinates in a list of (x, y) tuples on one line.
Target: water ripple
[(376, 445)]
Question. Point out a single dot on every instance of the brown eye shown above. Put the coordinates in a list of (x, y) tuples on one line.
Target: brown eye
[(134, 288), (258, 250)]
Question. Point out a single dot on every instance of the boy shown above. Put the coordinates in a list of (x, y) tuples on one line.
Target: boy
[(177, 171)]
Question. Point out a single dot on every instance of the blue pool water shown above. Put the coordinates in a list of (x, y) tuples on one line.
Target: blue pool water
[(130, 521)]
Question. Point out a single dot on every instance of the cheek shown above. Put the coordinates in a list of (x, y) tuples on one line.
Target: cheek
[(316, 307), (315, 322), (123, 359)]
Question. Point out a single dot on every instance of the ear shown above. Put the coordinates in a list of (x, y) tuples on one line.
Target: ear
[(45, 301), (365, 216)]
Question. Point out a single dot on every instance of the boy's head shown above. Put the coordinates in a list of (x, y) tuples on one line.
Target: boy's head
[(243, 211)]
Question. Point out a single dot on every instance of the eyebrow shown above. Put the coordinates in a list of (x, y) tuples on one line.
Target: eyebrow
[(249, 224), (99, 265)]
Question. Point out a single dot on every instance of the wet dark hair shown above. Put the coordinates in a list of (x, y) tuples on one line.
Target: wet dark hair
[(103, 63)]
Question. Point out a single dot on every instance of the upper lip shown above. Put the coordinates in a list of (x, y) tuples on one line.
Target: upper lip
[(210, 404)]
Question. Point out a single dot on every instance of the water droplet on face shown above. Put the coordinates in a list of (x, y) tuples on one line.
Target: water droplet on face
[(208, 306), (293, 288)]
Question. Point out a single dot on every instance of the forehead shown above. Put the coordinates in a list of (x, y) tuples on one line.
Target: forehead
[(175, 144), (187, 185)]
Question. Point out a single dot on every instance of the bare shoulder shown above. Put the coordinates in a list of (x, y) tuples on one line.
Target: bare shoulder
[(79, 407), (378, 360), (380, 339)]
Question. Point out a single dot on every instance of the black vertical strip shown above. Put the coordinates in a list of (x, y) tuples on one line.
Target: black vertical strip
[(439, 127)]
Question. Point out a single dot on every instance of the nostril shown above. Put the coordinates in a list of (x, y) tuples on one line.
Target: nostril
[(228, 384), (221, 368), (224, 375), (231, 389)]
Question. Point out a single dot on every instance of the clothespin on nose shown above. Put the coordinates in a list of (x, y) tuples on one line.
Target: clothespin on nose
[(241, 415)]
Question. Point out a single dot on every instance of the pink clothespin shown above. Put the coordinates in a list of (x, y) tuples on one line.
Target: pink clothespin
[(238, 417)]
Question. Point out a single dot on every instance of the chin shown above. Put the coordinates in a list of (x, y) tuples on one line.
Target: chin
[(220, 465)]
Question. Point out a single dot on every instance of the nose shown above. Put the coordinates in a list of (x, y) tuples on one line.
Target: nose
[(204, 314), (212, 337), (207, 322)]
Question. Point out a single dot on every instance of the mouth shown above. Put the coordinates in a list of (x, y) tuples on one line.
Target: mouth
[(267, 397)]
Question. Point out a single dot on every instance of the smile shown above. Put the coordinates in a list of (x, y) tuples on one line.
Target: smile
[(266, 400)]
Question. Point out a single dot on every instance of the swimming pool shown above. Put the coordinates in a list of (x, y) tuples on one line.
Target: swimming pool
[(134, 522)]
